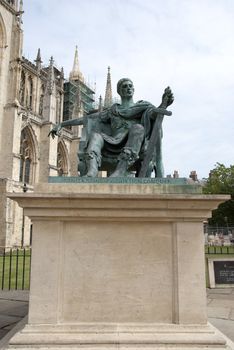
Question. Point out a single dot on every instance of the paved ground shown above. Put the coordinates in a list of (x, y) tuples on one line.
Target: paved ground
[(220, 302), (14, 307)]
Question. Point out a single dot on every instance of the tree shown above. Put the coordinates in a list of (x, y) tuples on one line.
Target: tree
[(221, 181)]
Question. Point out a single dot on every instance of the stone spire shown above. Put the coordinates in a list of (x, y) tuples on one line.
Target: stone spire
[(49, 101), (100, 105), (50, 80), (76, 73), (21, 6), (62, 77), (62, 73), (108, 94), (20, 11), (38, 59)]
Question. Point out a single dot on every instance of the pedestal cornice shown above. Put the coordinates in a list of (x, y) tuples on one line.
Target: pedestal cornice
[(110, 201)]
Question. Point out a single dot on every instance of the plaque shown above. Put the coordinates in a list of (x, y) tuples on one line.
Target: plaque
[(224, 272)]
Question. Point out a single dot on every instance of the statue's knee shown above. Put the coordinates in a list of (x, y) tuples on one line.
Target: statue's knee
[(138, 130), (138, 127), (96, 137), (96, 141)]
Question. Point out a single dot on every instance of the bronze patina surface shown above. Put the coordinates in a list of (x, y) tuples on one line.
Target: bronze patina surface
[(125, 139)]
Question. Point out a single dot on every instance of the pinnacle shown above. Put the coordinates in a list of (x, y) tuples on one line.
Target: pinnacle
[(108, 94), (76, 73)]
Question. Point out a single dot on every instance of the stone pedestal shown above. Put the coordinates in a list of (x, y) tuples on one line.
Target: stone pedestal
[(117, 266)]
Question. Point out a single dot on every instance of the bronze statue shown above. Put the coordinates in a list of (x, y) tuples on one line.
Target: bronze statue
[(124, 139)]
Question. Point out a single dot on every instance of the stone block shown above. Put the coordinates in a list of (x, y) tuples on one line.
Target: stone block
[(117, 266)]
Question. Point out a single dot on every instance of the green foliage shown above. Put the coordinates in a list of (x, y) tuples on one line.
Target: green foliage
[(221, 181)]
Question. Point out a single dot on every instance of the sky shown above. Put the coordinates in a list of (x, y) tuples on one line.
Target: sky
[(185, 44)]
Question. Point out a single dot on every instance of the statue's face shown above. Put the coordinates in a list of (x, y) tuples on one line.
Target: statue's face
[(126, 89)]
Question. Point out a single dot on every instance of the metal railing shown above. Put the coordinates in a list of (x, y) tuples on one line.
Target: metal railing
[(219, 249), (225, 230), (15, 268), (219, 236)]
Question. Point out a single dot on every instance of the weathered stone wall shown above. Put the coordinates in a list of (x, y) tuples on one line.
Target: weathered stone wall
[(14, 226), (14, 117)]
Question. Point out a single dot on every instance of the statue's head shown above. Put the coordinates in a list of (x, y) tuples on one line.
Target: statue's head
[(125, 83)]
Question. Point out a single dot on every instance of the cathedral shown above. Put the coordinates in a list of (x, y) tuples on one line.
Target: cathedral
[(34, 97)]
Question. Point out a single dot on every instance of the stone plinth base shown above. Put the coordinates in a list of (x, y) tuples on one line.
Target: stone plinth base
[(118, 336), (117, 266)]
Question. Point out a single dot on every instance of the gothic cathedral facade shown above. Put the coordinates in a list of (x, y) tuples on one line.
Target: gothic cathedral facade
[(31, 101)]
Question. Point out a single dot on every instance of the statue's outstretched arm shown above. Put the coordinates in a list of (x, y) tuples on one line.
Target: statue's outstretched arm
[(71, 122), (167, 98)]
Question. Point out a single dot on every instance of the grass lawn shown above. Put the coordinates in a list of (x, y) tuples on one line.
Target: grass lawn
[(15, 269)]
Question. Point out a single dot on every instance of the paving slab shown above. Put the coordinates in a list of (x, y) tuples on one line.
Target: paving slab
[(221, 303), (13, 307), (225, 326), (220, 291), (231, 317), (5, 339), (20, 295), (3, 332), (220, 312), (222, 296), (6, 320)]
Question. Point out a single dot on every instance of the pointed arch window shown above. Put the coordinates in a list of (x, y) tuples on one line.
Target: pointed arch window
[(61, 160), (26, 157), (30, 92), (22, 88)]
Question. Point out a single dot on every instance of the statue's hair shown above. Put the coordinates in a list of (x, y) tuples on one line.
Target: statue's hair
[(120, 82)]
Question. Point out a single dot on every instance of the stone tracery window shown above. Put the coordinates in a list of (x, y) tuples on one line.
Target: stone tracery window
[(61, 160), (30, 92), (26, 157), (22, 88)]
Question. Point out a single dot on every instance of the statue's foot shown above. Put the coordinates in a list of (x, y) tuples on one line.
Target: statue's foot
[(91, 173), (121, 169), (120, 173), (117, 173)]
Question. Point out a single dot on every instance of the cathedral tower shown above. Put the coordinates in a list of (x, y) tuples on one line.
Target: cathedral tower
[(10, 69), (78, 95), (76, 73), (10, 58), (31, 102), (108, 93)]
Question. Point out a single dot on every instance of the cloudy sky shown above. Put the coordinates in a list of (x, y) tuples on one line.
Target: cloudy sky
[(186, 44)]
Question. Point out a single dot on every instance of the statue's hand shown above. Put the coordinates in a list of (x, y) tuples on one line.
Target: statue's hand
[(55, 131), (167, 97)]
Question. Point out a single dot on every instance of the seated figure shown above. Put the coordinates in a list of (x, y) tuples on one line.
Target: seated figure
[(119, 137)]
